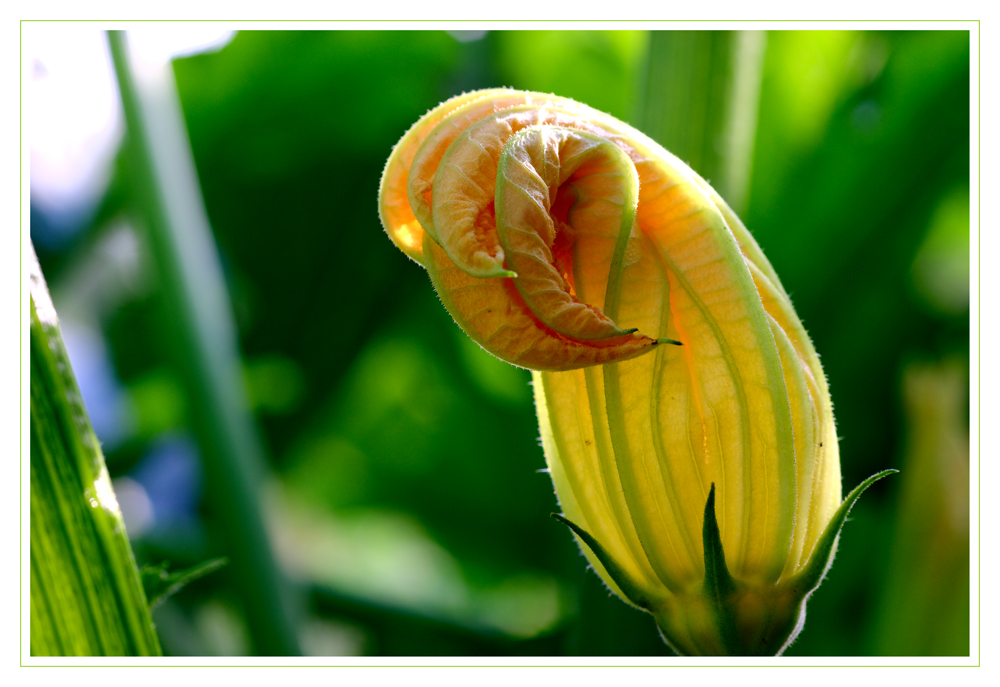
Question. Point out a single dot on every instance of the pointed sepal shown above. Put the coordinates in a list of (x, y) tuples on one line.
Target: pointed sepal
[(719, 584), (718, 581), (826, 547), (626, 584)]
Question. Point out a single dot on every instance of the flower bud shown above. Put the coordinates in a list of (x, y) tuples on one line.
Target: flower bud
[(702, 479)]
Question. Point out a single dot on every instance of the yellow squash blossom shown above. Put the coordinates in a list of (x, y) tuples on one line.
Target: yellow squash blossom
[(684, 414)]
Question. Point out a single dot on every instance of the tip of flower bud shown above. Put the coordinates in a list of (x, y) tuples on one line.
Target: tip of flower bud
[(669, 341)]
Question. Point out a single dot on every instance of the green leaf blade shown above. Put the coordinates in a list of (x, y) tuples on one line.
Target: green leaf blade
[(86, 599)]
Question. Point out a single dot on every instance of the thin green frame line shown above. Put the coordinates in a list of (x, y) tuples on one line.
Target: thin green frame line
[(502, 665), (508, 21)]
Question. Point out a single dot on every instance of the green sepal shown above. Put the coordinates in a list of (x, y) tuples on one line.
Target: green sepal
[(826, 547), (719, 584), (160, 584), (664, 340), (625, 583), (718, 581)]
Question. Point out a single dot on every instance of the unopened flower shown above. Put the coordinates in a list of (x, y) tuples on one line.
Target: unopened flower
[(703, 479)]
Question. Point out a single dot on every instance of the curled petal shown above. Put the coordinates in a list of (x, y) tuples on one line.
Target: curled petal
[(431, 135), (463, 193), (397, 217), (602, 190), (493, 314), (559, 186)]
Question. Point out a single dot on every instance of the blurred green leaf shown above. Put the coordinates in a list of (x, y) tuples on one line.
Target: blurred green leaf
[(813, 73), (923, 608), (941, 268), (275, 384), (498, 380), (158, 401), (598, 68)]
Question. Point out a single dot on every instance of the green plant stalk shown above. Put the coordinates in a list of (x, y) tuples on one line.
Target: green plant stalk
[(200, 319), (698, 97), (86, 595), (923, 609)]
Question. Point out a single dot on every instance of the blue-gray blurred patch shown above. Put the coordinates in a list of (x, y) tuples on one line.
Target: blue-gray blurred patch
[(171, 476)]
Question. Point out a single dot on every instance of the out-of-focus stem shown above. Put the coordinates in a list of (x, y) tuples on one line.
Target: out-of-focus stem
[(924, 605), (698, 97), (200, 319)]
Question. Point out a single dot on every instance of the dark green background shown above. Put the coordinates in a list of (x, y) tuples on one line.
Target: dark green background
[(385, 426)]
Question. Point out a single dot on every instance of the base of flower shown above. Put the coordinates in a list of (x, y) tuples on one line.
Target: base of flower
[(726, 616), (748, 621)]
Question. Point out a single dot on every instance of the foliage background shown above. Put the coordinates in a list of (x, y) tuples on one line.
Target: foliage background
[(405, 498)]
